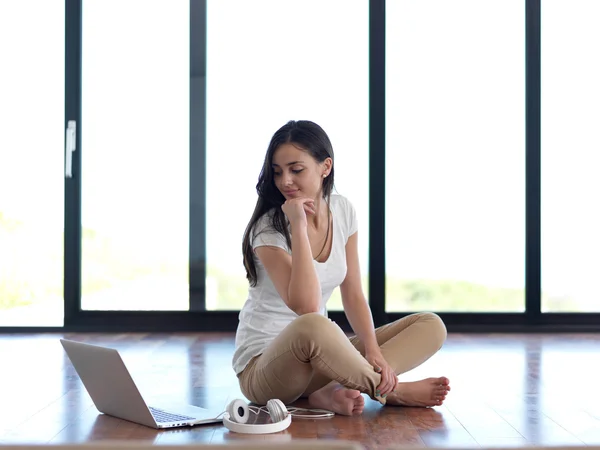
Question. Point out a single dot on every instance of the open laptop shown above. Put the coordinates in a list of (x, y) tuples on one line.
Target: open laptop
[(113, 391)]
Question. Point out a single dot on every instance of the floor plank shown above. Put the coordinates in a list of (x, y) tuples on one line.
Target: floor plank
[(507, 391)]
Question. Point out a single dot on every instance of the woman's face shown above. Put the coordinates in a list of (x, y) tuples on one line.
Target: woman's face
[(297, 173)]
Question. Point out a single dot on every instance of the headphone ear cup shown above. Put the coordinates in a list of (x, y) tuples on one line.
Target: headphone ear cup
[(238, 411), (277, 410)]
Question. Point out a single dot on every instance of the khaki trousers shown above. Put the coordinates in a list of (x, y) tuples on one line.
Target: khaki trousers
[(312, 351)]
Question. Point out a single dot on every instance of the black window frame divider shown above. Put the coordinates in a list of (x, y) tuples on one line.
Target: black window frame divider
[(198, 318)]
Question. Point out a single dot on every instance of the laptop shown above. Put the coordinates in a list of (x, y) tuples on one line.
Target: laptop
[(113, 391)]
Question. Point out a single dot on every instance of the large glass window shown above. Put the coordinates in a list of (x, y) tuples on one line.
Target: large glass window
[(32, 162), (135, 155), (269, 61), (570, 144), (455, 155)]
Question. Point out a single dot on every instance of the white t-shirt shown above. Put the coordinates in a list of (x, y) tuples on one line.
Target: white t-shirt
[(265, 314)]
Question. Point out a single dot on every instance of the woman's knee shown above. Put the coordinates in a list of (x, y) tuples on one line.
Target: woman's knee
[(436, 327), (313, 326), (311, 321)]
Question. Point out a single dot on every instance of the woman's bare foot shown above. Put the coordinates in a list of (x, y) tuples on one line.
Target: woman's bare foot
[(335, 397), (427, 392)]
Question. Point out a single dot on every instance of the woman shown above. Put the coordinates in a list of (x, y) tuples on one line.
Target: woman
[(300, 244)]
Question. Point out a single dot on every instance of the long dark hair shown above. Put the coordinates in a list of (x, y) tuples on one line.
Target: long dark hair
[(311, 138)]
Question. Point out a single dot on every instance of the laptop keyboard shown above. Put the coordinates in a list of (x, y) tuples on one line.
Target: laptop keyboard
[(163, 416)]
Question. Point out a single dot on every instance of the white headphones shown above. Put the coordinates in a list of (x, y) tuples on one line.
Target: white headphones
[(238, 411)]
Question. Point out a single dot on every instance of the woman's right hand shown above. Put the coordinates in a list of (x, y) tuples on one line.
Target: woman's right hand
[(296, 209)]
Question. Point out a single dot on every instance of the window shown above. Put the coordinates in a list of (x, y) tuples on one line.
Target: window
[(270, 62), (32, 162), (569, 152), (455, 156), (135, 157)]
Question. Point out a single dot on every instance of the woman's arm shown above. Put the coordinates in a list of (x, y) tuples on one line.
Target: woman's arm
[(304, 291), (294, 276), (355, 304), (360, 317)]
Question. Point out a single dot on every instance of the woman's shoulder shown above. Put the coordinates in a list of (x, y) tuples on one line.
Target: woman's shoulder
[(344, 212), (341, 202), (270, 224), (265, 233), (265, 222)]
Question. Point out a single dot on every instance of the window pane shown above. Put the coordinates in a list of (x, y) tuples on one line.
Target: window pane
[(455, 153), (135, 155), (32, 162), (272, 61), (570, 158)]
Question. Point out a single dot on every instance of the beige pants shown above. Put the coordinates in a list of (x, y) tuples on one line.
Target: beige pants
[(312, 351)]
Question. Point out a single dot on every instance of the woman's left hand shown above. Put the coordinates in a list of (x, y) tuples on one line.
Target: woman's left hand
[(389, 380)]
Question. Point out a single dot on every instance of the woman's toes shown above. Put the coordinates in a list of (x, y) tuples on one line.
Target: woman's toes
[(444, 389), (443, 382), (353, 393)]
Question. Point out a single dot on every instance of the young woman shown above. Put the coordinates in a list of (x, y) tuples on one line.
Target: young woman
[(300, 244)]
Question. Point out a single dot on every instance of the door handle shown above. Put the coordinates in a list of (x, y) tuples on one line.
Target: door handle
[(70, 140)]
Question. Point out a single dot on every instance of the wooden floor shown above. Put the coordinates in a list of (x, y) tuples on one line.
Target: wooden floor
[(507, 390)]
